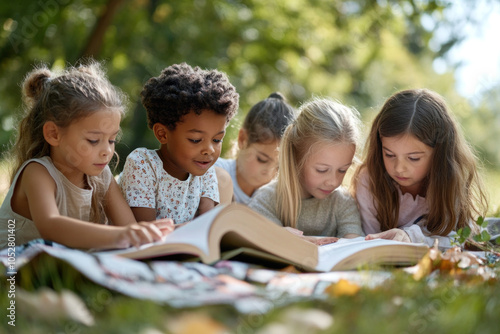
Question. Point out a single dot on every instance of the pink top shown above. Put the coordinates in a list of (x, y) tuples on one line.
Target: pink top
[(410, 213), (410, 209)]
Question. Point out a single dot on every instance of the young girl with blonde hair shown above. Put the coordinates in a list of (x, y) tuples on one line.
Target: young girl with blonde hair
[(62, 188), (316, 151), (420, 180)]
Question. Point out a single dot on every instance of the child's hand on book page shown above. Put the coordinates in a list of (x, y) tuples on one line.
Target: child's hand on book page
[(315, 240), (320, 240), (165, 225), (144, 232), (294, 230), (392, 234)]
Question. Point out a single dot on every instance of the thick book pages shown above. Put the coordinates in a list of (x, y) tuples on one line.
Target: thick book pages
[(349, 254), (236, 230), (230, 227)]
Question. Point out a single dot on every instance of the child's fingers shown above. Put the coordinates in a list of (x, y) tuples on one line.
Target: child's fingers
[(392, 234), (133, 237), (373, 236), (141, 234), (165, 225), (401, 235), (294, 230), (326, 240), (153, 231)]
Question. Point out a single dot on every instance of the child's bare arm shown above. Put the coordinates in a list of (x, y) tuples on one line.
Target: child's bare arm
[(116, 207), (147, 230), (206, 204), (144, 214), (39, 188), (119, 212), (392, 234), (225, 185)]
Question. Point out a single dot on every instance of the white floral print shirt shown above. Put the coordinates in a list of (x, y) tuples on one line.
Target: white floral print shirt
[(146, 184)]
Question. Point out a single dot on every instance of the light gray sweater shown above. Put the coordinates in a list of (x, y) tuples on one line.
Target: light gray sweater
[(334, 216)]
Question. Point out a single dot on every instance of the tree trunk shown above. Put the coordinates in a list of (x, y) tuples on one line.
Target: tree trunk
[(94, 43)]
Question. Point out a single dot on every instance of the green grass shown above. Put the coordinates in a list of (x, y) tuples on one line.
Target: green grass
[(438, 304)]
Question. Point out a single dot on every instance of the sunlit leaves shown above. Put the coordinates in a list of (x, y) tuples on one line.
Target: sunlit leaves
[(355, 51)]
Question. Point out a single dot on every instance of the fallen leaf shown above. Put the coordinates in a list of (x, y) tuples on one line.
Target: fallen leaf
[(461, 259), (453, 262), (423, 268), (342, 288)]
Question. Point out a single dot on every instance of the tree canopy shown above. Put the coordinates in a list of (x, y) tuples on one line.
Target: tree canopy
[(356, 51)]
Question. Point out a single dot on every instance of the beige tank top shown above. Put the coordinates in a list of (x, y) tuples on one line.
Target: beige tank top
[(71, 200)]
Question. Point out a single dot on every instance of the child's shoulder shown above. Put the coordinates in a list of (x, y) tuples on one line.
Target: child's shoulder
[(37, 167), (267, 190), (341, 194), (144, 155), (143, 159)]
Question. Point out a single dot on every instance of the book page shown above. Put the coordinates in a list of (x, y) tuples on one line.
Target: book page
[(331, 254), (193, 233)]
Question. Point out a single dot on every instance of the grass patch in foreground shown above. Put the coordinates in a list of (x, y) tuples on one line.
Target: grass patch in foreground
[(438, 303)]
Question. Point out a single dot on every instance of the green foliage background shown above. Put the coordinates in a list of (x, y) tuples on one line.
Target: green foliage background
[(358, 51)]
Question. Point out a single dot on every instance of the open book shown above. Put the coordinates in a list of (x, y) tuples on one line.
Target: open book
[(227, 231)]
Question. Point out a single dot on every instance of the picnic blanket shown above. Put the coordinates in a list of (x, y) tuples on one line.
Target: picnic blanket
[(248, 287)]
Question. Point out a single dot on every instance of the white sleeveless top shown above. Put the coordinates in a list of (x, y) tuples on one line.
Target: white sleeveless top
[(71, 200), (230, 166)]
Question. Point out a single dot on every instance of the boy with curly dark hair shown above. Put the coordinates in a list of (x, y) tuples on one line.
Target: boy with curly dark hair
[(188, 110)]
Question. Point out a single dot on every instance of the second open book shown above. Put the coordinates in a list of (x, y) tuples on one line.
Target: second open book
[(235, 229)]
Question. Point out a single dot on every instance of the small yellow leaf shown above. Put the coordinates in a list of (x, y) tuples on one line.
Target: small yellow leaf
[(342, 288), (424, 267)]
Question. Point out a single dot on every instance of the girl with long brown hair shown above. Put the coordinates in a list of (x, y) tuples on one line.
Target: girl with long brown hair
[(419, 180)]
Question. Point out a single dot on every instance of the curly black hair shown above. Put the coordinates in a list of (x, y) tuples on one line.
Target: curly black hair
[(181, 89)]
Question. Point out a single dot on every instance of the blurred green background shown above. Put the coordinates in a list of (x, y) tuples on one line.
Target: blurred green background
[(359, 52)]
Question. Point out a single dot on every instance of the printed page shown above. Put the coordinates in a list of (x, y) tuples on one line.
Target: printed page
[(193, 233), (331, 254)]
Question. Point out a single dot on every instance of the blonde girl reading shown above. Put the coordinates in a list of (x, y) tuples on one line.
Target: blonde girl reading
[(188, 110), (419, 180), (316, 151), (62, 188), (256, 163)]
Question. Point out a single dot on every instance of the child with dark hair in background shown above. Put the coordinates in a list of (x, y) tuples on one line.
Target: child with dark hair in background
[(419, 181), (258, 141), (62, 188), (188, 110)]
